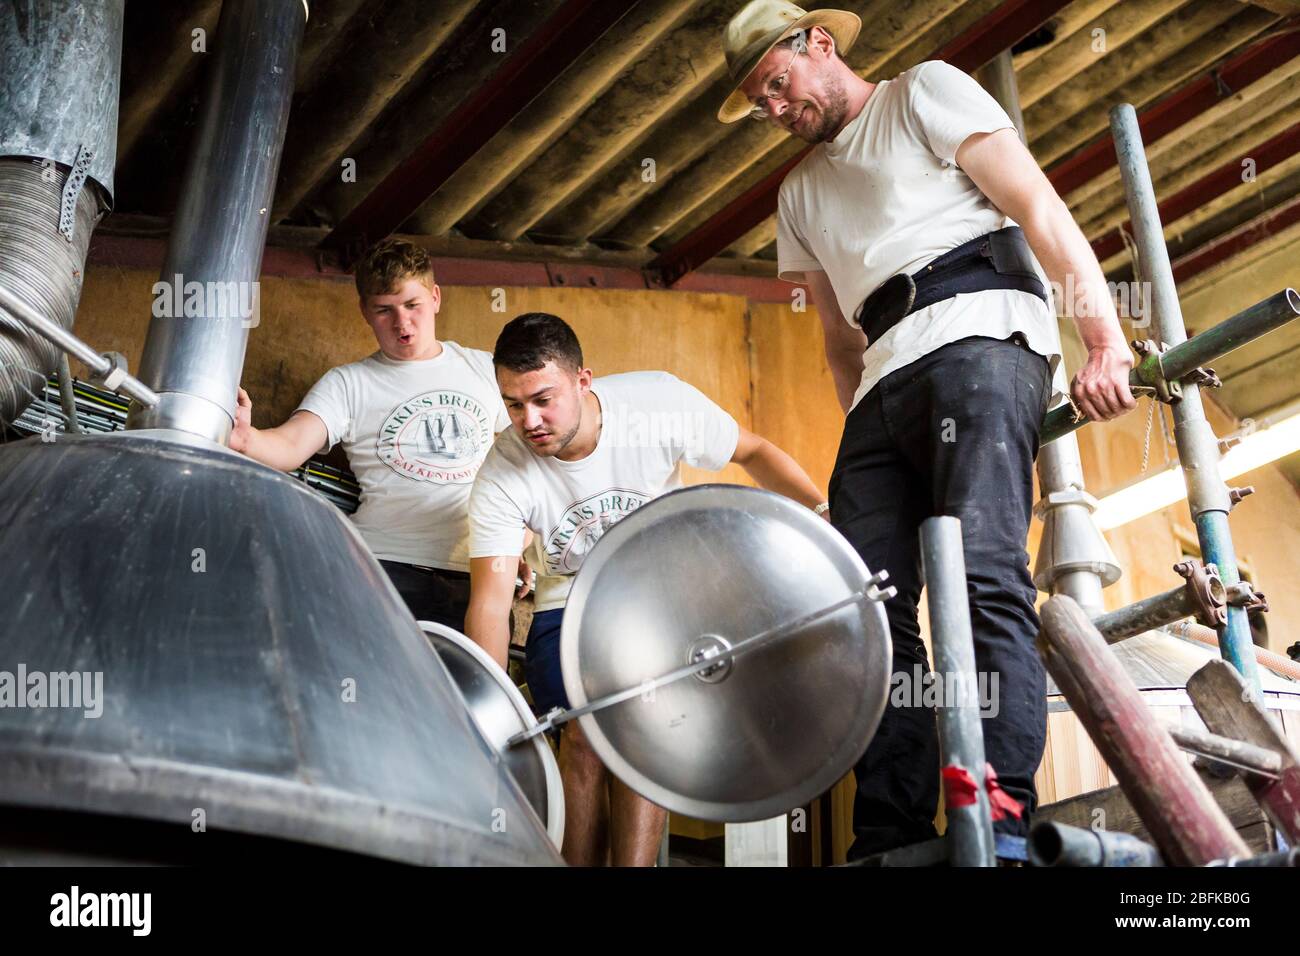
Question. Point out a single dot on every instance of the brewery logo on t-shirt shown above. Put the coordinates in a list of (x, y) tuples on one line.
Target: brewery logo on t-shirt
[(583, 524), (439, 436)]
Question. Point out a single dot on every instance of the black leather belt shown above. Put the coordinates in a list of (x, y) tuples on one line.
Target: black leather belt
[(997, 260)]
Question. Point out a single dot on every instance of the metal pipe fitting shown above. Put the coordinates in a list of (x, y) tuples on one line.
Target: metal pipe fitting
[(108, 369), (1182, 361), (1203, 596), (1059, 844)]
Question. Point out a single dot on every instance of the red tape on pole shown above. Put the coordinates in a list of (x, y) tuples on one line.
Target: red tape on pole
[(958, 787), (1001, 803), (959, 790)]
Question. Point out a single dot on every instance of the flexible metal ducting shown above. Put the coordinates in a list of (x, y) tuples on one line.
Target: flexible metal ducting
[(58, 122), (40, 267)]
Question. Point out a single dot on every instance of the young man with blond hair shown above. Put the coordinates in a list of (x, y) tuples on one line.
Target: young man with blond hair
[(583, 454), (416, 419), (912, 220)]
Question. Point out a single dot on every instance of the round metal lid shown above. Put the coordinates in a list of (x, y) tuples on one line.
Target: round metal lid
[(500, 712), (700, 568)]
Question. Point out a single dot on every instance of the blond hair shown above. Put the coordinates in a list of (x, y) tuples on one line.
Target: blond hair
[(386, 266)]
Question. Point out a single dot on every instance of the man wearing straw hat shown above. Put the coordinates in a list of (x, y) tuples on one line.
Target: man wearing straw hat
[(902, 220)]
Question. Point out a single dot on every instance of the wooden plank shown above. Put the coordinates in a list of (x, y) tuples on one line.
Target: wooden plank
[(1109, 809), (1258, 837), (1225, 703)]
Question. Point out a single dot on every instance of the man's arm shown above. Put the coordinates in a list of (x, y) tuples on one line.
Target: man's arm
[(491, 594), (1005, 171), (844, 343), (775, 470), (284, 447)]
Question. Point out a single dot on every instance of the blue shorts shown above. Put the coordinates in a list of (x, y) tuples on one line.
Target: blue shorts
[(542, 661)]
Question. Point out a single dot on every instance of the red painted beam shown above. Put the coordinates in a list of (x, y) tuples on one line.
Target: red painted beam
[(1223, 179), (1002, 28), (1179, 107), (147, 254), (1237, 240), (547, 53), (721, 230), (981, 42)]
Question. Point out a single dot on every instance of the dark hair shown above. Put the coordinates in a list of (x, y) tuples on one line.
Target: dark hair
[(531, 340)]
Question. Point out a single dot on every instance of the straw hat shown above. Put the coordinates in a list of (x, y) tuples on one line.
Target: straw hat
[(755, 30)]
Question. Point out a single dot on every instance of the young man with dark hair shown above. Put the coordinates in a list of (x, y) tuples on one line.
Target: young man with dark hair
[(912, 220), (582, 454), (416, 419)]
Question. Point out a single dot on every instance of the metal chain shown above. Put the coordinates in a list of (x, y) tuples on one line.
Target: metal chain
[(1146, 438)]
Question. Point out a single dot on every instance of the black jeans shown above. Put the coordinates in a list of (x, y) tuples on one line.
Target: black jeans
[(432, 594), (954, 433)]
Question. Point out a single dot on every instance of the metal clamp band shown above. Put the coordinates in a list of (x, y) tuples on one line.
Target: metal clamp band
[(72, 190)]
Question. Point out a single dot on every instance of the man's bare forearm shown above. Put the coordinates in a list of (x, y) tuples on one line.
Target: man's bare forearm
[(775, 470), (490, 629), (487, 621), (1072, 268), (271, 448)]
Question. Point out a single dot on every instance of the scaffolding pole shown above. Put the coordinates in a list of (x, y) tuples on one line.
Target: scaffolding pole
[(1198, 448)]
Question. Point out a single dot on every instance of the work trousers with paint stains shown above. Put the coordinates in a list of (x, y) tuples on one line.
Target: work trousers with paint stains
[(953, 433)]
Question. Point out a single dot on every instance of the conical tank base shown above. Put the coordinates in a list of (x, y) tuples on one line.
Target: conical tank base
[(239, 660)]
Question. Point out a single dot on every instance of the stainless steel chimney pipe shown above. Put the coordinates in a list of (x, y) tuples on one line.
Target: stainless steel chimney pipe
[(206, 299)]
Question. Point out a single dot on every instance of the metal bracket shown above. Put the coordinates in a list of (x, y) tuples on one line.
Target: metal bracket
[(1206, 591), (715, 665), (1236, 494), (72, 190), (112, 377), (1152, 372), (1243, 595)]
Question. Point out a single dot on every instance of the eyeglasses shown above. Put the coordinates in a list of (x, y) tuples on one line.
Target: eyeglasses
[(775, 88)]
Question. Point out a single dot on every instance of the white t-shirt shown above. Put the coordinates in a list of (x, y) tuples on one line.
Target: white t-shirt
[(886, 196), (415, 434), (650, 422)]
